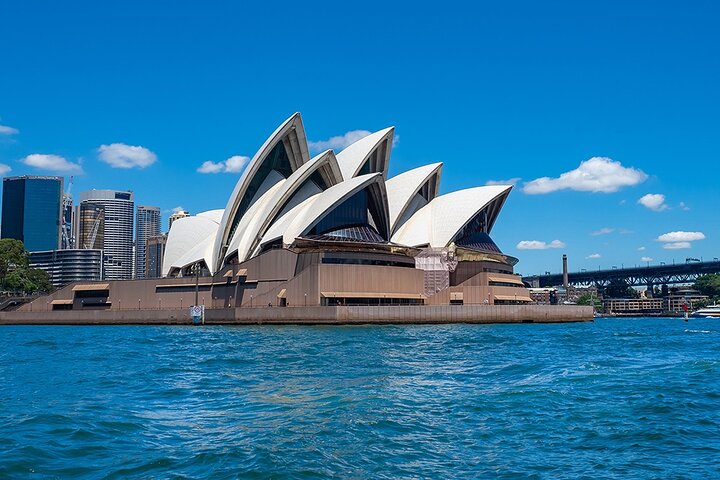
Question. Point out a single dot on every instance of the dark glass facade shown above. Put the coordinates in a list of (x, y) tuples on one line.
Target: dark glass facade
[(31, 211), (65, 266), (352, 212), (147, 225), (154, 252)]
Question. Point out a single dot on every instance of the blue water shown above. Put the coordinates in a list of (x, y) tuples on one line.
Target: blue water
[(635, 398)]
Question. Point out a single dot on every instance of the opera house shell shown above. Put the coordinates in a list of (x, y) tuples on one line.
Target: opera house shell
[(334, 229)]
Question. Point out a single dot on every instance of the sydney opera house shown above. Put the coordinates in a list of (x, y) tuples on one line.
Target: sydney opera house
[(332, 229)]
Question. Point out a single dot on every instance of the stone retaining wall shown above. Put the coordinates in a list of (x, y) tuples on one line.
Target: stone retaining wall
[(332, 315)]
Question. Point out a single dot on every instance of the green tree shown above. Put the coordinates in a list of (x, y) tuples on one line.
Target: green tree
[(620, 289), (29, 280), (709, 284), (12, 256), (587, 299)]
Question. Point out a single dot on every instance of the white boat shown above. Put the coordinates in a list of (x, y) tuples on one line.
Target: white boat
[(711, 311)]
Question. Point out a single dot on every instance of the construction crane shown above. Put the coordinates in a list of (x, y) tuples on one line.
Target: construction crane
[(68, 241), (90, 240)]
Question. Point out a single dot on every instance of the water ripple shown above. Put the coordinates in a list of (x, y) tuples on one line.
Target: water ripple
[(612, 399)]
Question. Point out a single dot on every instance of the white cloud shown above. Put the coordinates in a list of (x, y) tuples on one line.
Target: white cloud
[(511, 181), (654, 201), (171, 211), (598, 174), (338, 142), (593, 255), (538, 245), (683, 206), (119, 155), (54, 163), (4, 169), (641, 249), (646, 259), (677, 245), (5, 130), (234, 164), (211, 167), (602, 231), (681, 236)]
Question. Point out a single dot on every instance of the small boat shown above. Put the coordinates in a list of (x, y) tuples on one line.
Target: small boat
[(711, 311)]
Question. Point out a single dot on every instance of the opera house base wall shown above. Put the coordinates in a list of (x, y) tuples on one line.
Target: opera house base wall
[(329, 315)]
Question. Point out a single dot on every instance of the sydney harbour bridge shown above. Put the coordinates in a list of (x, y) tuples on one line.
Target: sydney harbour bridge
[(649, 276)]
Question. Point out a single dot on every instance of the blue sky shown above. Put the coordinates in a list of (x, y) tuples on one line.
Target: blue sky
[(495, 90)]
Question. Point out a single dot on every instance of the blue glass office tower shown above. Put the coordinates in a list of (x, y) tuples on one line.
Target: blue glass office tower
[(31, 211)]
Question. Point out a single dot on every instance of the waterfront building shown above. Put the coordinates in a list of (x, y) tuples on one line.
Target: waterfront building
[(177, 215), (154, 251), (69, 265), (32, 211), (147, 225), (544, 295), (679, 296), (106, 222), (633, 306), (332, 229)]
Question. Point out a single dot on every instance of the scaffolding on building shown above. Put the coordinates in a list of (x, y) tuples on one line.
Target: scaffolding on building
[(436, 264)]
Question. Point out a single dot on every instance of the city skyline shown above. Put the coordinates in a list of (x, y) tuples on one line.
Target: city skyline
[(593, 140)]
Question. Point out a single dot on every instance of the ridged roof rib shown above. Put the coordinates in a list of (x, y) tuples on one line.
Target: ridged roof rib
[(402, 188), (257, 220), (438, 222), (292, 135), (374, 148), (301, 219)]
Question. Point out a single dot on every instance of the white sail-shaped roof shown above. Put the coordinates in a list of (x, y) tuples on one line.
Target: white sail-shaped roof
[(283, 195), (185, 235), (292, 136), (302, 218), (214, 215), (410, 191), (374, 148), (202, 252), (252, 218), (438, 222), (281, 198)]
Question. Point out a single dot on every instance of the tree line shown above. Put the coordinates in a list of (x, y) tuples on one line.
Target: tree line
[(15, 272)]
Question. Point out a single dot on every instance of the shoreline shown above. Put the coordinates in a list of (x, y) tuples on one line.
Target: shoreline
[(326, 315)]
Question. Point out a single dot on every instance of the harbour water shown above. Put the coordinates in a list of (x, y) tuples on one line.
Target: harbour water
[(616, 398)]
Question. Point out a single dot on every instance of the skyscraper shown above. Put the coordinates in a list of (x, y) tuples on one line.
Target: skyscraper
[(106, 222), (32, 211), (154, 252), (147, 225)]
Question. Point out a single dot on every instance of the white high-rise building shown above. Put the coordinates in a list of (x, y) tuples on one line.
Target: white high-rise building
[(106, 221)]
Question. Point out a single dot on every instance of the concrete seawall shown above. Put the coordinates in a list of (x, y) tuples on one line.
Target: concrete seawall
[(332, 315)]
